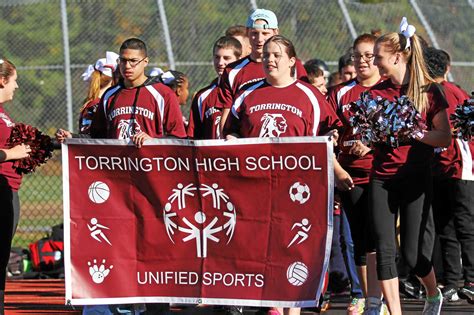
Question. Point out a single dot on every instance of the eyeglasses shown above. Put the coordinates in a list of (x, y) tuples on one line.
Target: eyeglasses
[(132, 62), (365, 57)]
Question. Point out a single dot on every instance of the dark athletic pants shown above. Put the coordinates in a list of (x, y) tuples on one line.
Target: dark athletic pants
[(410, 196), (9, 215), (453, 209), (356, 206)]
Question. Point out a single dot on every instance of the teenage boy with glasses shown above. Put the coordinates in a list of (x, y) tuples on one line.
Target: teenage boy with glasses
[(137, 108)]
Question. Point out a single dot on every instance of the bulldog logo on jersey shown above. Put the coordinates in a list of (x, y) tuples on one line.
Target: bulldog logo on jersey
[(127, 128), (273, 125)]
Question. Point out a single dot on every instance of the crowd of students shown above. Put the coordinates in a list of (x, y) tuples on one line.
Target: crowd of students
[(425, 183)]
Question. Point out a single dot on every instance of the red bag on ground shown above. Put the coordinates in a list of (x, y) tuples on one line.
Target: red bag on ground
[(47, 254)]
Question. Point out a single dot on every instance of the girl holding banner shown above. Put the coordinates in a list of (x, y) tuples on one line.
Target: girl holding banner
[(401, 176), (10, 180), (282, 106)]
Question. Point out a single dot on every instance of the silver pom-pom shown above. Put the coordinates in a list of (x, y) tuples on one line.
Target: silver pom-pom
[(381, 121)]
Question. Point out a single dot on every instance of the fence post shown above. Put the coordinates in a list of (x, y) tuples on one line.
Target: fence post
[(164, 22), (67, 64), (347, 17), (428, 28), (253, 3)]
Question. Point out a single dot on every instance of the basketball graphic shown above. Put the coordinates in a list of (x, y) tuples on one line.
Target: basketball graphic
[(297, 273), (99, 192)]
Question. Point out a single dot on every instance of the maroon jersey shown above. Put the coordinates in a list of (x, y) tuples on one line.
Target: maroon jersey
[(13, 179), (298, 109), (411, 157), (455, 161), (340, 98), (242, 73), (152, 108), (205, 114), (86, 116)]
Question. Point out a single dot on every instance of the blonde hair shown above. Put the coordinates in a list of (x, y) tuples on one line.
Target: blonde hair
[(98, 81), (420, 79)]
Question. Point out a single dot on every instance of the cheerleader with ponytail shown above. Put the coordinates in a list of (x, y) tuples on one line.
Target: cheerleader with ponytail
[(100, 77), (401, 181)]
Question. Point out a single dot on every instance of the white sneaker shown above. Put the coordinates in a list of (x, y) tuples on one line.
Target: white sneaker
[(384, 309), (433, 307)]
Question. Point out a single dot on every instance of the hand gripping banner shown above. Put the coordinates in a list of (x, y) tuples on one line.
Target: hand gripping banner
[(244, 222)]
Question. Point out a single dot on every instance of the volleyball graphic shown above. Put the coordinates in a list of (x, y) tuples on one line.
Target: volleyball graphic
[(99, 192), (297, 273)]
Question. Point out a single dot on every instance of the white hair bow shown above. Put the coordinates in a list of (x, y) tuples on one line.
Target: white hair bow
[(87, 74), (111, 59), (155, 72), (102, 65), (1, 61), (167, 77), (407, 30), (105, 65)]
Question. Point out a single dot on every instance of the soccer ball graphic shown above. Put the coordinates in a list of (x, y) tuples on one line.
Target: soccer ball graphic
[(299, 192), (297, 273)]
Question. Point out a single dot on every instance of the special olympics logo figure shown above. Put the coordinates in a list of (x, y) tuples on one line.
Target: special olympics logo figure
[(128, 128), (180, 193), (200, 227), (99, 273), (273, 125)]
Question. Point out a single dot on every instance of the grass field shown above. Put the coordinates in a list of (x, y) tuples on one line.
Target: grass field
[(41, 200)]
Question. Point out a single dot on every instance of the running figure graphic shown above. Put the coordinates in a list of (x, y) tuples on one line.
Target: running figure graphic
[(302, 234), (95, 228)]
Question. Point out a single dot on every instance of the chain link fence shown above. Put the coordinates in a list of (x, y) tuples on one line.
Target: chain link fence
[(52, 42)]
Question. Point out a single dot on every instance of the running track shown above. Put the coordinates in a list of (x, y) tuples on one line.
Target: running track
[(47, 297)]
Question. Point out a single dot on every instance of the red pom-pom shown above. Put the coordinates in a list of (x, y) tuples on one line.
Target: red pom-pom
[(40, 144)]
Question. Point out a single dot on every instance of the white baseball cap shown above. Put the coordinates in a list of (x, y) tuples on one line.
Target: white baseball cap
[(265, 15)]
